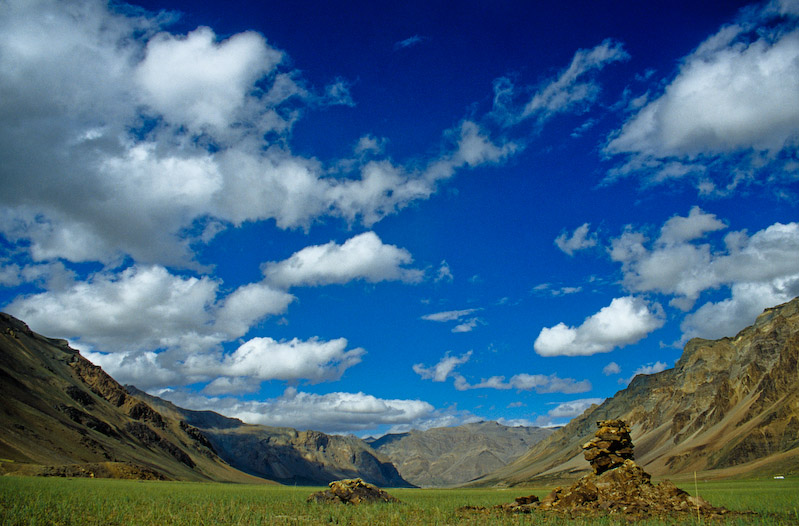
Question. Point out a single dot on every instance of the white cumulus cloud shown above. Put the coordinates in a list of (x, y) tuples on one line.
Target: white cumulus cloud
[(759, 269), (625, 321), (268, 359), (159, 134), (364, 256), (242, 370), (142, 308), (746, 302), (197, 81), (737, 93)]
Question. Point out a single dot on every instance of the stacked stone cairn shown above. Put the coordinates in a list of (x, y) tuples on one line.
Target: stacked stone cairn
[(617, 486), (610, 447)]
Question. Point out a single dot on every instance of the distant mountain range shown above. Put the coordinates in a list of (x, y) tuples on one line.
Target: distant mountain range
[(729, 407), (62, 415), (284, 454), (450, 456)]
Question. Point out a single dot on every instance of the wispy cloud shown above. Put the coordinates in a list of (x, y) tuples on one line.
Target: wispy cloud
[(565, 411), (549, 289), (611, 368), (450, 315), (465, 325), (446, 369), (573, 89), (443, 369), (444, 273), (580, 239), (415, 40)]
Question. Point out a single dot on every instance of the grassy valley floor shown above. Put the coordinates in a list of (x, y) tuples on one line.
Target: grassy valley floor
[(35, 500)]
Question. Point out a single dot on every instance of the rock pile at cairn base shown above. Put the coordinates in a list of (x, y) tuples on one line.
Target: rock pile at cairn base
[(351, 491), (617, 485), (625, 489)]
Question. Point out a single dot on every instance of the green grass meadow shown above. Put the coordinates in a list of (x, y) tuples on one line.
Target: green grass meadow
[(30, 501)]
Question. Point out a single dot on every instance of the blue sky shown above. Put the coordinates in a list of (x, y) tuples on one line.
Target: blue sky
[(359, 219)]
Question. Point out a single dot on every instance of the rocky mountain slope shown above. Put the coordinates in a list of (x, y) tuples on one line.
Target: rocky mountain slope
[(728, 407), (62, 415), (449, 456), (285, 454)]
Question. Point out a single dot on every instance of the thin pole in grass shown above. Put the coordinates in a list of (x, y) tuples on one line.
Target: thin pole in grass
[(696, 490)]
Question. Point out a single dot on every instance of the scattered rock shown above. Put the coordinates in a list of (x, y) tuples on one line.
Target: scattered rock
[(351, 491), (197, 436), (80, 396), (79, 417), (150, 438), (106, 470), (142, 411)]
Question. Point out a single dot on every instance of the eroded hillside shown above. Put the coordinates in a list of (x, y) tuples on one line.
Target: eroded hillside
[(62, 415)]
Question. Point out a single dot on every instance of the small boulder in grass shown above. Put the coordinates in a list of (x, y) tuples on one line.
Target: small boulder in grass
[(351, 491)]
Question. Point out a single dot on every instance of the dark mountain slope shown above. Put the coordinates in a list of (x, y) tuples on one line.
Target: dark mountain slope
[(729, 407), (62, 415)]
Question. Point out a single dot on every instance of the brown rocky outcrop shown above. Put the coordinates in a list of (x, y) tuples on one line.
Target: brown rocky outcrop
[(351, 491), (101, 470)]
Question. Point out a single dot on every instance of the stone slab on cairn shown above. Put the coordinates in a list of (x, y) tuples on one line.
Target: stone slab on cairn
[(610, 447)]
